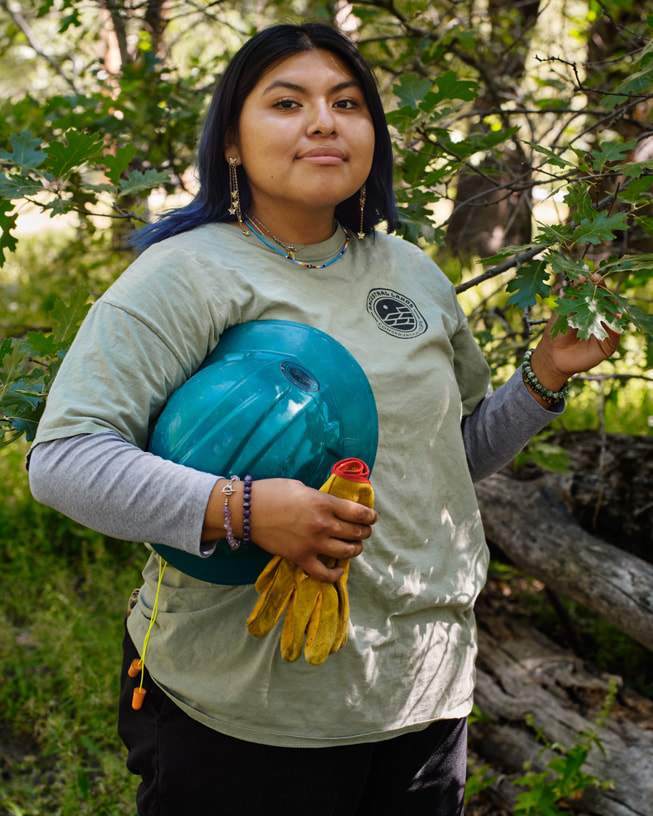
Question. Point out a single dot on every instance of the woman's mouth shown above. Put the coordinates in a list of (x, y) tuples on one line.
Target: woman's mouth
[(323, 155)]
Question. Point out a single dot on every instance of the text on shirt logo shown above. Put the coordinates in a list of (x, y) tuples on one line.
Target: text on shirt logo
[(395, 314)]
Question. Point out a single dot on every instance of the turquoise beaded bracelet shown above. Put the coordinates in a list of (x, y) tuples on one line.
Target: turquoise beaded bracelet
[(531, 380)]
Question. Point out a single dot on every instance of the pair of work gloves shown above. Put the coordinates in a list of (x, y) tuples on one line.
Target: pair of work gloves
[(317, 613)]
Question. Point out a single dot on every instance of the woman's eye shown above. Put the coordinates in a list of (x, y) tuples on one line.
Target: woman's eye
[(347, 104), (286, 104)]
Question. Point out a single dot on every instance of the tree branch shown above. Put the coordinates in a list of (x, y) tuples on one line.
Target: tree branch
[(516, 260), (34, 44), (119, 28)]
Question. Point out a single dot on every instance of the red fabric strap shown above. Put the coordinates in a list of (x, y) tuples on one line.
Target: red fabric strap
[(353, 469)]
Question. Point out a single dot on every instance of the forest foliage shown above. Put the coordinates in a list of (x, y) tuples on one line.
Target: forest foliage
[(524, 158)]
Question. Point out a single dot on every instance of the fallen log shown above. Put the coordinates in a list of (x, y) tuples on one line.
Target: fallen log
[(521, 672), (529, 523)]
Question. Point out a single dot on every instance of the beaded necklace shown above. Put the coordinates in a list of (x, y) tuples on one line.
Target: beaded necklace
[(303, 263), (290, 249)]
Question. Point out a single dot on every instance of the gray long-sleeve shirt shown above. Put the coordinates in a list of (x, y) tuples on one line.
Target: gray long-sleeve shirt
[(110, 485)]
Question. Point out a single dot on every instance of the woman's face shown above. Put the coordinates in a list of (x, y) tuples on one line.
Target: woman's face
[(305, 138)]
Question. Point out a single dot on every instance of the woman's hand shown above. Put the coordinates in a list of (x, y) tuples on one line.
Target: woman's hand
[(297, 522)]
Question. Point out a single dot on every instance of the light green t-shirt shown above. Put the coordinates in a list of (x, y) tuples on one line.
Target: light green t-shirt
[(410, 655)]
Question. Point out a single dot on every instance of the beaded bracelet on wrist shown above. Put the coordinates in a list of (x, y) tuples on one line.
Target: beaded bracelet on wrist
[(247, 509), (531, 380), (228, 490)]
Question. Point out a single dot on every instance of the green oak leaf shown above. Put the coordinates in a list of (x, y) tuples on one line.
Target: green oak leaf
[(530, 283), (15, 186), (589, 309), (554, 158), (59, 206), (636, 169), (8, 220), (26, 152), (69, 316), (411, 90), (449, 86), (118, 162), (638, 83), (599, 228), (78, 149), (136, 181), (565, 265), (42, 345), (577, 198), (609, 152)]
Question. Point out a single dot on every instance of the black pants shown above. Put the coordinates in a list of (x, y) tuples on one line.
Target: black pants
[(187, 768)]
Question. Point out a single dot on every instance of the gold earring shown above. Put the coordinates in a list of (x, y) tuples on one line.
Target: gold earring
[(235, 195), (362, 197)]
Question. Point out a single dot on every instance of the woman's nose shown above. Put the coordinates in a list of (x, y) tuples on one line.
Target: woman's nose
[(322, 120)]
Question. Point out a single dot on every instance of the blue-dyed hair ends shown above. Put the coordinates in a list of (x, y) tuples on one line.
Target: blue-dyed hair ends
[(212, 201)]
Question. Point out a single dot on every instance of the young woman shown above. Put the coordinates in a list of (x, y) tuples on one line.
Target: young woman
[(295, 168)]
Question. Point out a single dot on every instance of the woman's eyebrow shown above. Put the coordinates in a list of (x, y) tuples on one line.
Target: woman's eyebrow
[(292, 86)]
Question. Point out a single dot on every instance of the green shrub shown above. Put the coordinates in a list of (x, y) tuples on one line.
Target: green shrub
[(61, 617)]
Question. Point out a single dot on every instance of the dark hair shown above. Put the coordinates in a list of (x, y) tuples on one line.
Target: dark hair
[(212, 202)]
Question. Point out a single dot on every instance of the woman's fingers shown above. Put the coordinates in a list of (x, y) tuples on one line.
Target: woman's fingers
[(317, 569), (352, 520), (305, 525)]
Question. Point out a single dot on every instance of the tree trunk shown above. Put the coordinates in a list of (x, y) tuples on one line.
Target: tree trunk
[(530, 524), (520, 673), (546, 524), (487, 213), (609, 37)]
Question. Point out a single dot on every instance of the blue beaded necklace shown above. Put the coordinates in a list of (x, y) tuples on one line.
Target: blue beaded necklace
[(294, 260)]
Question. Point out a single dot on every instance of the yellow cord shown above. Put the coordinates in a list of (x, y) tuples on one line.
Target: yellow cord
[(155, 609)]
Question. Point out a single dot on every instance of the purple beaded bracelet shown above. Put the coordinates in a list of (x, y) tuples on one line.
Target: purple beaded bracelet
[(247, 509)]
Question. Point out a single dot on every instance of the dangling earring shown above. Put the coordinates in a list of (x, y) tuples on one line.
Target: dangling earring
[(235, 195), (362, 197)]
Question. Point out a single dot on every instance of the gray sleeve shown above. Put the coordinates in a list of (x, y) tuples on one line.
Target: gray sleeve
[(501, 425), (109, 485)]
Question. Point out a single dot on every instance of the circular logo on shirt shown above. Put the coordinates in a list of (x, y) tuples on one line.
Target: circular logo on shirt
[(300, 376), (395, 314)]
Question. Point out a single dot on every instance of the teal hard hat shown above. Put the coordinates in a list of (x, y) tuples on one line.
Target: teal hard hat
[(275, 398)]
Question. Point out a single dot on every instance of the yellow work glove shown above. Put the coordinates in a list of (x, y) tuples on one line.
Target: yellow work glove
[(312, 611), (315, 610), (276, 583)]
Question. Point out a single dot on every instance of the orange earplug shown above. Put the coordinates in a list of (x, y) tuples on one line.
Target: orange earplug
[(138, 697), (135, 667)]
